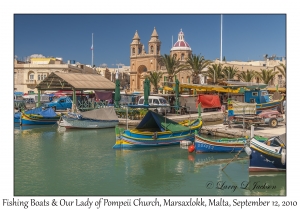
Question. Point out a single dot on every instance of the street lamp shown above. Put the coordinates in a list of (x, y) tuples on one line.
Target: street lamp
[(214, 76)]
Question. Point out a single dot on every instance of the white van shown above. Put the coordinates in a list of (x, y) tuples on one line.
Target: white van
[(157, 100)]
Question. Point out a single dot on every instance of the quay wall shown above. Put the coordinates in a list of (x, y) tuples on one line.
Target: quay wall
[(206, 117)]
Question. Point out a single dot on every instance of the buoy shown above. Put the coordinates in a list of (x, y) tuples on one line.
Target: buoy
[(191, 148), (283, 153), (248, 150)]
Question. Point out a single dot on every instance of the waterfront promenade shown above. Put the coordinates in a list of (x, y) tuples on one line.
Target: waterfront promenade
[(212, 124)]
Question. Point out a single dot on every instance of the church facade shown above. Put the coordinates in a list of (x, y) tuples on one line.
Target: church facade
[(142, 63)]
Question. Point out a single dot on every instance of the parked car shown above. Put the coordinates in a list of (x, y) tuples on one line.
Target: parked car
[(157, 100), (62, 103), (29, 100)]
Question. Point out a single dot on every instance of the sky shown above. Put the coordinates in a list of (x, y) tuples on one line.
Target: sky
[(69, 36)]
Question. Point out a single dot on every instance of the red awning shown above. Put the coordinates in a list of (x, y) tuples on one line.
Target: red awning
[(209, 101)]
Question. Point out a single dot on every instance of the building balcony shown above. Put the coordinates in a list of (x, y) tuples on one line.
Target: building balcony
[(30, 82)]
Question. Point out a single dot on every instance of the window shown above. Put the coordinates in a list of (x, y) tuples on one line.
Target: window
[(155, 101), (254, 93), (62, 101), (133, 51), (39, 77), (157, 51), (264, 93), (163, 101), (141, 101), (150, 101), (151, 49), (31, 76), (182, 56)]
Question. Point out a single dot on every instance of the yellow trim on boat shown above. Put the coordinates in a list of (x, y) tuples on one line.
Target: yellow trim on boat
[(264, 152)]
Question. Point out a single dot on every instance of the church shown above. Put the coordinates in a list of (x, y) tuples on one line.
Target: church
[(141, 62)]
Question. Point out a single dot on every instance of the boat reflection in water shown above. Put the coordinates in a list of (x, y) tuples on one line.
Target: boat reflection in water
[(267, 183)]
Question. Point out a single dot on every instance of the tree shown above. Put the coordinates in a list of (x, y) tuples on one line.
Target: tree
[(266, 75), (230, 72), (282, 69), (172, 65), (246, 76), (224, 59), (196, 63), (154, 78), (215, 72)]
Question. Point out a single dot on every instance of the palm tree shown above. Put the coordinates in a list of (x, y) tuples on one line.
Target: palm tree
[(154, 78), (215, 72), (230, 72), (246, 76), (196, 63), (172, 65), (282, 69), (266, 75)]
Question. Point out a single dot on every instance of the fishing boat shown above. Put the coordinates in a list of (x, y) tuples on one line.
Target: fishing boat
[(229, 145), (268, 156), (43, 117), (263, 99), (17, 115), (157, 130), (97, 118)]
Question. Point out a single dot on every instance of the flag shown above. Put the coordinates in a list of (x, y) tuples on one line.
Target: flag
[(92, 47)]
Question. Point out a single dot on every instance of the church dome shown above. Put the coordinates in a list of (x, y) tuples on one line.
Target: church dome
[(181, 44)]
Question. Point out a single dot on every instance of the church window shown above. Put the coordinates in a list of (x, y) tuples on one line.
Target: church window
[(182, 56), (151, 49), (133, 51), (157, 51)]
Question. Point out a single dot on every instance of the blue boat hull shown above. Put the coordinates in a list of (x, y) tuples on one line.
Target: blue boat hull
[(138, 141), (203, 146), (38, 122), (16, 120), (265, 106), (260, 161)]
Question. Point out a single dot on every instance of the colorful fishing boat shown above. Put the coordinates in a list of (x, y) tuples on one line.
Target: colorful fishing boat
[(44, 117), (97, 118), (157, 130), (17, 115), (229, 145), (263, 100), (268, 156)]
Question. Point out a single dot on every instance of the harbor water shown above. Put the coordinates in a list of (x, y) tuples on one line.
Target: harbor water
[(51, 161)]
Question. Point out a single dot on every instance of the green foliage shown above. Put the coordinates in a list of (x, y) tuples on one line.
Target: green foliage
[(196, 63), (230, 72), (172, 65), (282, 69), (246, 76), (154, 78), (215, 72), (266, 75)]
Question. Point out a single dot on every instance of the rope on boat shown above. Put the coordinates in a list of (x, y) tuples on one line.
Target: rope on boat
[(233, 158)]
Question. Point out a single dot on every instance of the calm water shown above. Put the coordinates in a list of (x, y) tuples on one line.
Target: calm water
[(50, 161)]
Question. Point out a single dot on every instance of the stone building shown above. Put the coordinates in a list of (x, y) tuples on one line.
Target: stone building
[(27, 75)]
